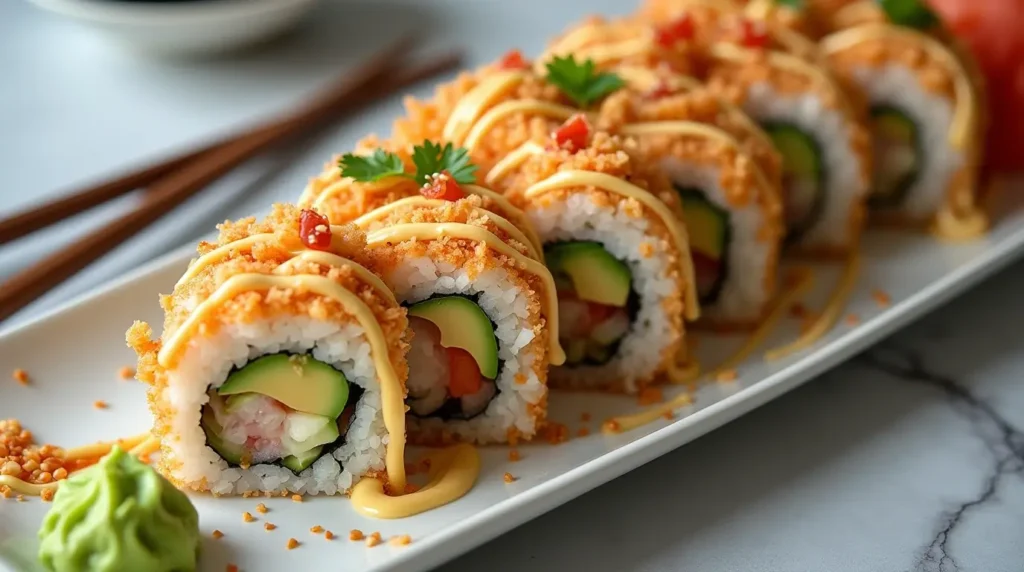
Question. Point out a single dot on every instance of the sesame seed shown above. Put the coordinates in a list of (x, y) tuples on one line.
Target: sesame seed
[(509, 478), (292, 544), (268, 526), (217, 535), (355, 534), (248, 517)]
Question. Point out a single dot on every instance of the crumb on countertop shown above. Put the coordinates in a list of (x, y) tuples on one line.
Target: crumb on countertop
[(328, 535), (355, 534), (373, 539), (269, 526), (292, 544), (247, 517), (261, 508), (509, 478), (401, 540), (126, 372), (21, 376), (316, 529)]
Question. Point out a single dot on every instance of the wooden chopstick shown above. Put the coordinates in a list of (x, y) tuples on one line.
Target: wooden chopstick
[(359, 87), (42, 216)]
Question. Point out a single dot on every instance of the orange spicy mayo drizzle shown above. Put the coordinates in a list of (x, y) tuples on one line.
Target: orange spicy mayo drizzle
[(453, 471), (434, 231), (392, 394)]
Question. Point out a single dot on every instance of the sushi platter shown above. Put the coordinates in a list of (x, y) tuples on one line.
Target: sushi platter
[(551, 272)]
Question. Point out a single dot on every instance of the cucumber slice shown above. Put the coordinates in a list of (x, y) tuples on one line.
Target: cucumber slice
[(803, 177), (709, 227), (897, 155)]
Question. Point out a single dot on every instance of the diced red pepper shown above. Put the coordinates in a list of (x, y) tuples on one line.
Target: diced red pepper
[(677, 30), (314, 230), (573, 134), (464, 373), (754, 34), (513, 60), (599, 313), (442, 186), (661, 90)]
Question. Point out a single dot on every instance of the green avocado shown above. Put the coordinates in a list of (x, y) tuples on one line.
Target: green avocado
[(803, 179), (462, 325), (302, 461), (596, 275), (897, 156), (706, 224), (230, 452), (298, 381)]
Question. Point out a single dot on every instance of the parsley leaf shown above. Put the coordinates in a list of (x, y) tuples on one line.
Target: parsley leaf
[(368, 169), (794, 4), (909, 13), (580, 81), (430, 158)]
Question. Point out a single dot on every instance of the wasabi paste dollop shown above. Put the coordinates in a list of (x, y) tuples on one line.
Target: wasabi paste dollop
[(119, 515)]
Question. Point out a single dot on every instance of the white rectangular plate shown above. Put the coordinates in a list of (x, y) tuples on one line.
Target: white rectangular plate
[(73, 356)]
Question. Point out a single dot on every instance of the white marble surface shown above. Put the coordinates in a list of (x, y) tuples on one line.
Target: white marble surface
[(861, 470)]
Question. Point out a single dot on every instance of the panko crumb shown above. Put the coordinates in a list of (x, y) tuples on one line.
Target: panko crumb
[(725, 376), (513, 455), (328, 535), (21, 376), (297, 498), (316, 529), (292, 544), (100, 404), (247, 517), (852, 319), (373, 540), (217, 535), (269, 526), (20, 498), (650, 396), (261, 508), (401, 540), (509, 478), (126, 372), (231, 568), (355, 534), (46, 495), (881, 298)]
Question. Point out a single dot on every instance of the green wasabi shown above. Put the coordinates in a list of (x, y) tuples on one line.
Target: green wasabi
[(119, 515)]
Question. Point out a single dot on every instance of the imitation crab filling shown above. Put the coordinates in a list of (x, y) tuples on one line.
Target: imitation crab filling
[(596, 301), (453, 358), (708, 226), (281, 408)]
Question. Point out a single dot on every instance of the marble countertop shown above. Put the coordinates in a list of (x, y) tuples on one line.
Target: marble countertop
[(909, 458)]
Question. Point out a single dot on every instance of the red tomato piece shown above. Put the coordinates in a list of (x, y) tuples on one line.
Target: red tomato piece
[(677, 30), (513, 60), (753, 34), (573, 134), (314, 230), (464, 374), (443, 186)]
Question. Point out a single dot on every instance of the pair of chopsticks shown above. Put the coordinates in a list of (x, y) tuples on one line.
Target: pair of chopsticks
[(169, 183)]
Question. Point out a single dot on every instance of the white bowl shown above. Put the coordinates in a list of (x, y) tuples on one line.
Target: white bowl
[(185, 28)]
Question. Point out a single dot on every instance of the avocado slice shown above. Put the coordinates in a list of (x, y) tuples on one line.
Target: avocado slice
[(897, 147), (710, 234), (230, 452), (462, 325), (302, 461), (304, 431), (596, 275), (298, 381), (803, 177)]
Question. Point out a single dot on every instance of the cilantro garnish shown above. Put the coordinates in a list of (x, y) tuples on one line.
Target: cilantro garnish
[(429, 158), (380, 165), (909, 13), (580, 81), (794, 4)]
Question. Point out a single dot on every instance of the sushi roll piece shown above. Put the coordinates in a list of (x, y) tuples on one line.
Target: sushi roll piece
[(731, 207), (281, 366), (773, 75), (615, 241), (483, 312), (927, 123)]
